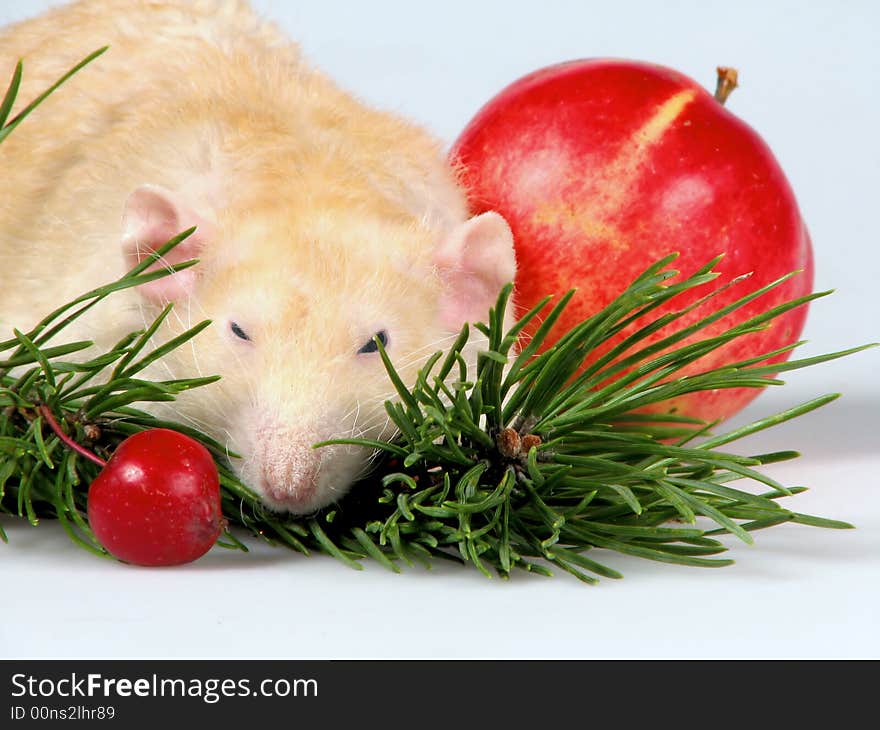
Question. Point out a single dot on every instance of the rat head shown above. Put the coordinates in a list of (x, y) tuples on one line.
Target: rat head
[(299, 297)]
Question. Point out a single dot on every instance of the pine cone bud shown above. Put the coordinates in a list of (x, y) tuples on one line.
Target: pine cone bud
[(91, 431), (530, 440), (508, 443)]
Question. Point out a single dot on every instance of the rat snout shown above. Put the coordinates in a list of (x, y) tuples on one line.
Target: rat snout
[(292, 476), (286, 467), (290, 479)]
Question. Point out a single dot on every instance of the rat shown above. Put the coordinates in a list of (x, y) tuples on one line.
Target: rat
[(322, 225)]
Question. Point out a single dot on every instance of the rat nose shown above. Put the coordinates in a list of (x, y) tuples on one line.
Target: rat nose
[(286, 466), (289, 473), (290, 478)]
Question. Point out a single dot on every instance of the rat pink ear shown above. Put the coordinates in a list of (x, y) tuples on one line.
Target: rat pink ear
[(153, 215), (474, 262)]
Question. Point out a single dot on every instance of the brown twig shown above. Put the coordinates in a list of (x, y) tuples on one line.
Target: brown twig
[(728, 80)]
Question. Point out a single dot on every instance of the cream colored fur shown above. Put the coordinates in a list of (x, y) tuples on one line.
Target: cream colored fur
[(327, 213)]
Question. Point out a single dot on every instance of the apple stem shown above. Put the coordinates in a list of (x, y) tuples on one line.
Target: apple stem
[(47, 414), (728, 80)]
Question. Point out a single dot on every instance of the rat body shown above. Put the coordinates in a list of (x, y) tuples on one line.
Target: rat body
[(321, 224)]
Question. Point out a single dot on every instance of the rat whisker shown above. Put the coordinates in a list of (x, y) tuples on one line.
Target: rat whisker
[(419, 354)]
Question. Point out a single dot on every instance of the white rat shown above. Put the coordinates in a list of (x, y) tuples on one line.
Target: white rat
[(321, 223)]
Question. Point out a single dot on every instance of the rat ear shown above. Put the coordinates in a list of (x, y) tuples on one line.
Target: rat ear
[(474, 262), (153, 215)]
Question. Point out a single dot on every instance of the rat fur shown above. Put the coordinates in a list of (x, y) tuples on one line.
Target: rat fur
[(321, 222)]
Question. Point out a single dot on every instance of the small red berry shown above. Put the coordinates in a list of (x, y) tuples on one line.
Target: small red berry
[(157, 501)]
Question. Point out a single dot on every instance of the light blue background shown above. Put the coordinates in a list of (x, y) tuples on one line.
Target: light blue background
[(808, 75)]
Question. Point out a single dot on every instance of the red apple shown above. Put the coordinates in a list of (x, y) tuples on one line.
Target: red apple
[(602, 167), (157, 500)]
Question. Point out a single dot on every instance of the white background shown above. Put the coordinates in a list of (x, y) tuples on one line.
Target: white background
[(808, 85)]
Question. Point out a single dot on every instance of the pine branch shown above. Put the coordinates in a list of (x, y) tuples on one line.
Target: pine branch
[(568, 466), (526, 462), (514, 466)]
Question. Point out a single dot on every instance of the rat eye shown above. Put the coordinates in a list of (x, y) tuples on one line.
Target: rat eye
[(238, 331), (371, 346)]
